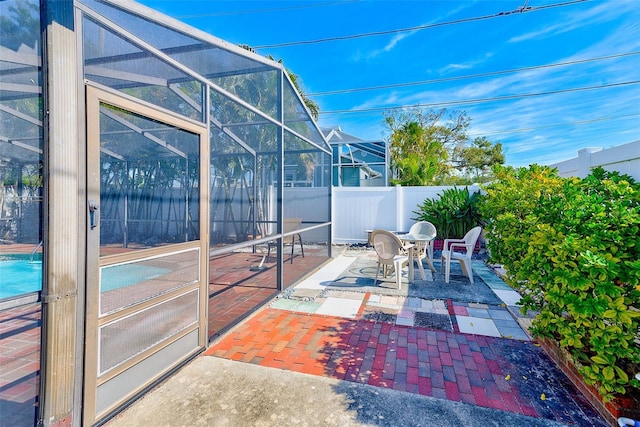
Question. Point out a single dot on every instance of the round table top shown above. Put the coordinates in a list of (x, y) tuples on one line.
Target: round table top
[(416, 237)]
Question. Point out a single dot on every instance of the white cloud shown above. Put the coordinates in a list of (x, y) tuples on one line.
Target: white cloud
[(392, 43), (397, 38), (466, 65)]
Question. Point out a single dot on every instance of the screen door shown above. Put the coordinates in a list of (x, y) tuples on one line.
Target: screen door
[(146, 247)]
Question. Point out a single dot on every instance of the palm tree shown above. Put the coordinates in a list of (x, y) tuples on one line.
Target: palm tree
[(312, 106)]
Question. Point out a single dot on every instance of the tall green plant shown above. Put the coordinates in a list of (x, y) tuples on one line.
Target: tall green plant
[(453, 214), (572, 249)]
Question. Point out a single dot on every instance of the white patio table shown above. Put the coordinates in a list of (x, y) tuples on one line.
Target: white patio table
[(423, 249)]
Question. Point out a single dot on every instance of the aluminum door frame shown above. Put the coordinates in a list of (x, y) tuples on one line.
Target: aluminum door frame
[(95, 97)]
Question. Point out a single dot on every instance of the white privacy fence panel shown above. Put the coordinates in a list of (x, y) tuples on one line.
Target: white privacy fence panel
[(310, 204), (622, 158), (356, 209)]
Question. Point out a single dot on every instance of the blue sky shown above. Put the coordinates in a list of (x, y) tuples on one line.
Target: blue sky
[(543, 113)]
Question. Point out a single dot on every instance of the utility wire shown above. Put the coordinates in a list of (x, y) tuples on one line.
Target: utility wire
[(480, 100), (419, 27), (470, 76)]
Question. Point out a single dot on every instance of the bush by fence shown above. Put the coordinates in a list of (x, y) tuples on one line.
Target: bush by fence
[(572, 249)]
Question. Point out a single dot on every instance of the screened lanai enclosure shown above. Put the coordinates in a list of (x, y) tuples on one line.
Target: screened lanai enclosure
[(356, 162), (157, 186)]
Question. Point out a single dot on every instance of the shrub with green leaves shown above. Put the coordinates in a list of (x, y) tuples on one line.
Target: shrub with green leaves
[(453, 214), (571, 247), (507, 209)]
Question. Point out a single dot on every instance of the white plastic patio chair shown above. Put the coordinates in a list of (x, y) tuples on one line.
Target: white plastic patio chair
[(389, 249), (425, 233), (449, 253)]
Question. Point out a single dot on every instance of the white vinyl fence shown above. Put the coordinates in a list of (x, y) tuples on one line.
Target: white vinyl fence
[(358, 209)]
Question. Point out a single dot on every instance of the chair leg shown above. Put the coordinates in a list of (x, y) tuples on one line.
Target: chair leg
[(466, 268), (301, 247), (377, 271), (430, 256), (421, 269), (292, 248), (398, 267), (260, 266), (447, 269)]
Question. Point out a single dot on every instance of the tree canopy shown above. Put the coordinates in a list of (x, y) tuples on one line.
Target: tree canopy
[(475, 159), (432, 148), (312, 106)]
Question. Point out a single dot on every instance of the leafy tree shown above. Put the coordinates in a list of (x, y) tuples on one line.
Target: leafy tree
[(474, 161), (21, 170), (314, 108), (418, 145), (416, 158), (430, 148), (21, 26)]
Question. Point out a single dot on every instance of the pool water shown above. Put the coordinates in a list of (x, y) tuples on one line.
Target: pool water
[(123, 275), (18, 275)]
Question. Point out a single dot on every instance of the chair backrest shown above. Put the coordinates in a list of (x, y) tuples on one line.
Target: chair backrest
[(291, 224), (423, 228), (472, 236), (288, 225), (386, 244)]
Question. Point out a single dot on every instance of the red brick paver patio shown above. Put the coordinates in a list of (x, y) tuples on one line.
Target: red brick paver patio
[(497, 373)]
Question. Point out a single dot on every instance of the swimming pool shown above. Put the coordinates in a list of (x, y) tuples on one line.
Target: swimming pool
[(123, 275), (18, 275)]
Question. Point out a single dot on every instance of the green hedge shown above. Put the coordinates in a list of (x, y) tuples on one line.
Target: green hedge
[(571, 248)]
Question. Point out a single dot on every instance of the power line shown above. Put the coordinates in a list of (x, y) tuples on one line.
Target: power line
[(419, 27), (470, 76), (481, 100)]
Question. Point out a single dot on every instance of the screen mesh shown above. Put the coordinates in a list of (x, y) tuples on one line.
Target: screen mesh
[(122, 285), (125, 338)]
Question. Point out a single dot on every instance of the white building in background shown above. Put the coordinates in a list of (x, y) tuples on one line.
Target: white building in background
[(622, 158)]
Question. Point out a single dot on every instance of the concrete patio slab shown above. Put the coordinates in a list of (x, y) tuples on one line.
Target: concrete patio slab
[(477, 326), (343, 307)]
